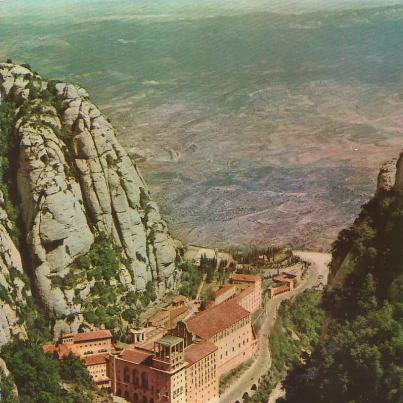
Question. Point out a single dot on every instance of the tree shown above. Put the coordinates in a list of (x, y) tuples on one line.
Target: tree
[(7, 393), (359, 356), (72, 369), (40, 378)]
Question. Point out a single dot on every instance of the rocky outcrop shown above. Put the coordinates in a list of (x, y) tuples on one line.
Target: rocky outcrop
[(398, 187), (389, 185), (13, 289), (75, 181), (52, 206), (115, 193), (387, 176), (391, 176)]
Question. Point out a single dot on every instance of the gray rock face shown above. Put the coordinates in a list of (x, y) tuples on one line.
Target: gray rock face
[(52, 206), (115, 193), (76, 181), (399, 174), (387, 175), (13, 288)]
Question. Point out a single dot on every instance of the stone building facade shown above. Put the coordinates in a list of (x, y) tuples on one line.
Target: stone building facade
[(228, 326), (97, 368), (170, 373), (250, 290), (201, 373)]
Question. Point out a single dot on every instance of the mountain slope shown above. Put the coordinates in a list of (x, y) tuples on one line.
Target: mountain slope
[(360, 356), (95, 241), (13, 289)]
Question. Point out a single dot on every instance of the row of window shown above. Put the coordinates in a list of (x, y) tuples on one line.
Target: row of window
[(177, 392), (100, 343), (136, 378), (238, 325), (88, 352), (233, 348)]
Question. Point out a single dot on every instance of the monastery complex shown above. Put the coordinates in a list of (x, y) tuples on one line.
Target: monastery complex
[(181, 354)]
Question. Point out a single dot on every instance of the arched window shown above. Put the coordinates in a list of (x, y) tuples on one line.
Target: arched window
[(127, 395), (135, 377), (144, 380), (126, 374), (119, 392), (135, 398), (145, 399)]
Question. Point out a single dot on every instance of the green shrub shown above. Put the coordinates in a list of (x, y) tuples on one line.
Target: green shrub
[(72, 369), (36, 374), (4, 296), (191, 279), (7, 154), (7, 394)]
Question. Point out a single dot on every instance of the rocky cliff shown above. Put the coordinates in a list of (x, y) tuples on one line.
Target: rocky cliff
[(13, 289), (358, 358), (388, 194), (82, 202)]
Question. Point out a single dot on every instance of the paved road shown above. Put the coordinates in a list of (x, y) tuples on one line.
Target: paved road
[(199, 290), (319, 267)]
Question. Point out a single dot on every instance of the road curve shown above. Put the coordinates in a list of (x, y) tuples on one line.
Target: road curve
[(319, 268)]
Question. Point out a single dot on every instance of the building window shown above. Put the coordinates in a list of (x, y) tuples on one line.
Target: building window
[(126, 374), (144, 380), (135, 377), (135, 398)]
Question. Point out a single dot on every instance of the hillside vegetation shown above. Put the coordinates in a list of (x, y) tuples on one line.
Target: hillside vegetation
[(297, 330), (359, 358)]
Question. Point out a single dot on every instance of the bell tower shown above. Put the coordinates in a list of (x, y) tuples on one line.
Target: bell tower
[(169, 353)]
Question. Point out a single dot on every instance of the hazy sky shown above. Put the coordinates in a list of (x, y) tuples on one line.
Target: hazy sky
[(270, 5)]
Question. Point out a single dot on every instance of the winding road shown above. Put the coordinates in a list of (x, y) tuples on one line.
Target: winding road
[(317, 274)]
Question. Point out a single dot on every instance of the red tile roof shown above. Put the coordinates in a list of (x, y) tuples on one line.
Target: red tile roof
[(64, 350), (283, 278), (160, 316), (49, 348), (245, 292), (96, 335), (65, 335), (249, 278), (208, 323), (223, 290), (95, 359), (147, 345), (196, 352), (135, 356), (174, 313)]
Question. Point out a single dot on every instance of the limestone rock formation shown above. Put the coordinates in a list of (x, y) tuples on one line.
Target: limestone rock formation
[(75, 181), (391, 175), (386, 177), (13, 289), (398, 187), (390, 182)]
